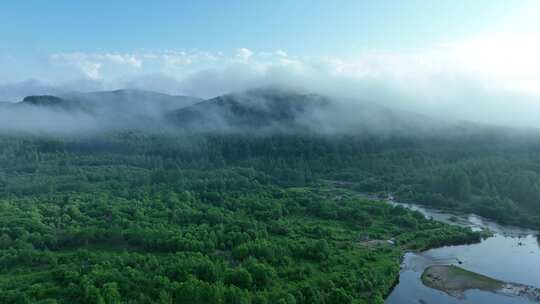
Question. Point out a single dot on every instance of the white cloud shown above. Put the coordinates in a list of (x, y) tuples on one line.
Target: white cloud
[(244, 54), (126, 59), (483, 77), (91, 64), (90, 69), (176, 59), (508, 62), (281, 53)]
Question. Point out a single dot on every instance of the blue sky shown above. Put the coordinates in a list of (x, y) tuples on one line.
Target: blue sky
[(40, 39), (436, 53), (302, 27)]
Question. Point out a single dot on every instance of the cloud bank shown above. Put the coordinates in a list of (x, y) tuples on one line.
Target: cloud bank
[(491, 78)]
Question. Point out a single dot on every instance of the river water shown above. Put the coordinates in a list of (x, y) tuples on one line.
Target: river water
[(511, 255)]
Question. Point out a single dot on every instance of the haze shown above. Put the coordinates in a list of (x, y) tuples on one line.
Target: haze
[(261, 152), (474, 61)]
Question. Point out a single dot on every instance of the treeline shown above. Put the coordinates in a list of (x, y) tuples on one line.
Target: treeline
[(490, 174)]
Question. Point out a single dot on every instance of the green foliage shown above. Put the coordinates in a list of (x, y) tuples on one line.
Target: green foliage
[(190, 218), (239, 277)]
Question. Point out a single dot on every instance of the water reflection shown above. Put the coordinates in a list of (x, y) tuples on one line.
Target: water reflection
[(512, 254)]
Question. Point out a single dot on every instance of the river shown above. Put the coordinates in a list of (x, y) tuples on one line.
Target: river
[(511, 254)]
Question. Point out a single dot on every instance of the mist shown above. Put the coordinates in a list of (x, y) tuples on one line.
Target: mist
[(452, 83), (442, 96), (448, 99), (39, 120), (352, 107)]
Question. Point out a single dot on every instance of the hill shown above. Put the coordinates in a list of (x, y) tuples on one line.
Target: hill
[(258, 109), (105, 110), (273, 109), (131, 102), (52, 102)]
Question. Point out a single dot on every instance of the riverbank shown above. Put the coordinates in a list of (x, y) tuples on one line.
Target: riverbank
[(478, 288), (510, 255), (522, 220), (455, 281)]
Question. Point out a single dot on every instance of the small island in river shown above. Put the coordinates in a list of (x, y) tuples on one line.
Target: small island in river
[(455, 281)]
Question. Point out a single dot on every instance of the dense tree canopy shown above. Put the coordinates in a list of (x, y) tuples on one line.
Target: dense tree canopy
[(191, 218)]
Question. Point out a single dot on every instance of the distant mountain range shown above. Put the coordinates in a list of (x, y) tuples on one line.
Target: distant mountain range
[(120, 102), (51, 102), (257, 110), (130, 102)]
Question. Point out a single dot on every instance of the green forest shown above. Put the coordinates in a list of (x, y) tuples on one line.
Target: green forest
[(141, 217)]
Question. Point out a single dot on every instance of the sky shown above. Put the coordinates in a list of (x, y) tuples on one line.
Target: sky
[(432, 52)]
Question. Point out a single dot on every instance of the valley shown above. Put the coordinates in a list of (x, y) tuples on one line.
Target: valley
[(245, 210), (270, 152)]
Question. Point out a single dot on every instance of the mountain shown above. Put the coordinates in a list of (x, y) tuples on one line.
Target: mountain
[(131, 102), (291, 110), (51, 102), (256, 109), (13, 92), (43, 100), (121, 109), (119, 105), (119, 102)]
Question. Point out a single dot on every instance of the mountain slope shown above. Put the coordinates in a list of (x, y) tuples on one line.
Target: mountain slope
[(122, 109), (131, 102), (258, 109), (51, 102), (289, 110)]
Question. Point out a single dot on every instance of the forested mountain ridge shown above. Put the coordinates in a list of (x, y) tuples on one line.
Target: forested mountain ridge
[(107, 103), (259, 108), (273, 109), (44, 101), (458, 173), (269, 109), (134, 102), (176, 215), (90, 112)]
